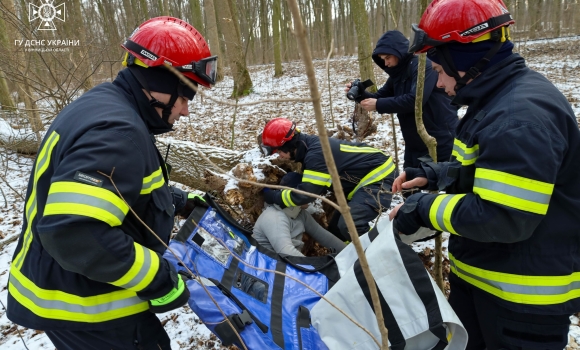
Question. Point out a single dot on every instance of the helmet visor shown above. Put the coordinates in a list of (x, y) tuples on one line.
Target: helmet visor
[(420, 40), (205, 69)]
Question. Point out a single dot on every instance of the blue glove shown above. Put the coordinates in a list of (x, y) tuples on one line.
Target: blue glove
[(408, 220), (270, 196)]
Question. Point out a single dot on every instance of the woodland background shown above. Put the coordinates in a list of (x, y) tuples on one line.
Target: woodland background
[(262, 78)]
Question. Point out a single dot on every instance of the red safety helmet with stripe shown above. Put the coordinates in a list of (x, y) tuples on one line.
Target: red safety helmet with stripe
[(170, 41), (462, 21), (276, 133)]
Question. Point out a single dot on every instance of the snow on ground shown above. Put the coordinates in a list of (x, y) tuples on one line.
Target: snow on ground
[(211, 123)]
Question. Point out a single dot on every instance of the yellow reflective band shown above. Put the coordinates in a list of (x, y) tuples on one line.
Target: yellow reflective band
[(505, 35), (441, 211), (73, 198), (42, 163), (141, 273), (513, 191), (59, 305), (465, 155), (153, 181), (317, 178), (375, 175), (358, 149), (521, 289), (287, 198), (135, 61)]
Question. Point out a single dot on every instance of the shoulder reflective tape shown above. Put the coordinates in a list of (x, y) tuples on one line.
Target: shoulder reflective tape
[(513, 191), (465, 155), (42, 163), (59, 305), (142, 272), (73, 198), (521, 289), (375, 175), (317, 178), (441, 210), (358, 149), (287, 198), (153, 181)]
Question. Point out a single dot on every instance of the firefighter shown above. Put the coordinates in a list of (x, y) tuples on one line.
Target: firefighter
[(513, 195), (366, 174), (86, 270)]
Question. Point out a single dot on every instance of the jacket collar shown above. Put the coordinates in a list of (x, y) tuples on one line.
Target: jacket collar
[(135, 95), (485, 86), (302, 148)]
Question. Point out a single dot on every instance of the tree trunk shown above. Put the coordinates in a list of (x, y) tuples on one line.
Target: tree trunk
[(535, 18), (212, 37), (365, 50), (197, 16), (188, 167), (276, 38), (5, 93), (235, 54), (327, 22), (264, 36)]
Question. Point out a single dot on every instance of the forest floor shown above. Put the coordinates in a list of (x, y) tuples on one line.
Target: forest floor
[(226, 126)]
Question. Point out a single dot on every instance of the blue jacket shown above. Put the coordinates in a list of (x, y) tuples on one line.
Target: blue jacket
[(513, 192), (83, 260), (397, 95)]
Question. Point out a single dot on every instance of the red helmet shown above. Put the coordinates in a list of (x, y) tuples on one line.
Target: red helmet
[(462, 21), (168, 40), (277, 131)]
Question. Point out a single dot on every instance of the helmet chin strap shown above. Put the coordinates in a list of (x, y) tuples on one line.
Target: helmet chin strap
[(449, 66), (165, 107)]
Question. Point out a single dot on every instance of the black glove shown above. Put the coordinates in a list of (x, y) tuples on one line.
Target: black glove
[(176, 298), (193, 200), (270, 195), (408, 221)]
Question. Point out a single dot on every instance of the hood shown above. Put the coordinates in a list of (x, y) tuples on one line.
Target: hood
[(134, 93), (393, 43)]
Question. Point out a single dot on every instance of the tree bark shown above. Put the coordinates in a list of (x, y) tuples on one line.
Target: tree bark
[(5, 93), (235, 54), (276, 38), (327, 22), (365, 50), (213, 37), (197, 16), (188, 167)]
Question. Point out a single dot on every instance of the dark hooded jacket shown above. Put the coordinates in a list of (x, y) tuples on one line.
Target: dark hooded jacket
[(83, 261), (398, 96)]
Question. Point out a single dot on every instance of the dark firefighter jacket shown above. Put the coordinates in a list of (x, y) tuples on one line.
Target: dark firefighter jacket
[(397, 95), (358, 165), (83, 260), (513, 192)]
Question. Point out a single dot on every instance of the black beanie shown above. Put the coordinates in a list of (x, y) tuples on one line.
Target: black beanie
[(162, 80), (466, 56)]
